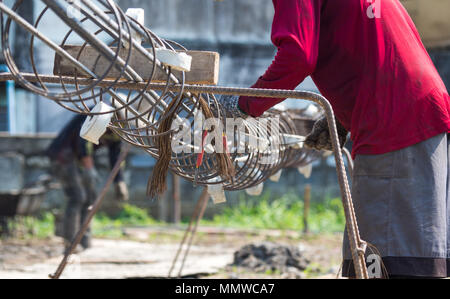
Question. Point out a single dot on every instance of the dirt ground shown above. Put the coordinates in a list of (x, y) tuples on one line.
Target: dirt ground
[(148, 253)]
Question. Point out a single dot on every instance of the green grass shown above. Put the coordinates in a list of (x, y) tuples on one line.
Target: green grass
[(43, 226), (104, 226), (285, 212), (33, 227)]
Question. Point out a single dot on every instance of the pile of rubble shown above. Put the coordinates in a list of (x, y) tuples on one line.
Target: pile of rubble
[(268, 257)]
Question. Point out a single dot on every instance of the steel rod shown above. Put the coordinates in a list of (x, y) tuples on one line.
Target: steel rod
[(356, 244), (92, 211), (203, 204), (188, 231), (350, 165)]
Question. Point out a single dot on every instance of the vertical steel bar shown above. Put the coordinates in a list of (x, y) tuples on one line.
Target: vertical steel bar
[(93, 210), (203, 203), (348, 156), (194, 217), (176, 198), (307, 201)]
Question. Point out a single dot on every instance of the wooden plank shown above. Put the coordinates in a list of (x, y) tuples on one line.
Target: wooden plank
[(204, 69)]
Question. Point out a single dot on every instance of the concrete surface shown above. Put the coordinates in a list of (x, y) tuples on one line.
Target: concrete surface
[(124, 259)]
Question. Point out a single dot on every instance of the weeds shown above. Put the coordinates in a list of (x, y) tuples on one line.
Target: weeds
[(104, 226), (285, 212)]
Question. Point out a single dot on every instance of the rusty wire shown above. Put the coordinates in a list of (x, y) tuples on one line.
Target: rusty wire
[(138, 113)]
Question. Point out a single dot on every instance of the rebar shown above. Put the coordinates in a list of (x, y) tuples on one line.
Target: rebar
[(92, 211)]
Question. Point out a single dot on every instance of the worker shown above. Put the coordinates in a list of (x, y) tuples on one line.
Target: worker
[(73, 164), (367, 59)]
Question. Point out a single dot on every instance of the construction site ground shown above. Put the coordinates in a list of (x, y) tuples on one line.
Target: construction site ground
[(148, 253)]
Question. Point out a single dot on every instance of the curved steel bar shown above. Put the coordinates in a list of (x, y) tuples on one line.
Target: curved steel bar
[(356, 243), (350, 165)]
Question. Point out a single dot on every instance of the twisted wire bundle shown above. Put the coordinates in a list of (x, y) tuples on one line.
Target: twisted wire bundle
[(146, 118)]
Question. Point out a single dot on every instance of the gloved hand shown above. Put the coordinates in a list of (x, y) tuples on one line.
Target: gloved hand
[(231, 106), (320, 138), (122, 191), (90, 177)]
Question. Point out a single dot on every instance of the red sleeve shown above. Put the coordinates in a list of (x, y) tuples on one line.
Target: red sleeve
[(295, 32)]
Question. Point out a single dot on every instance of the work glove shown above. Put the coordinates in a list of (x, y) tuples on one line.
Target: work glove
[(122, 191), (230, 104), (320, 139), (90, 177)]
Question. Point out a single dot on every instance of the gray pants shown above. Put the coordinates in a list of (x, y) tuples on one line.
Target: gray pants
[(402, 207), (80, 197)]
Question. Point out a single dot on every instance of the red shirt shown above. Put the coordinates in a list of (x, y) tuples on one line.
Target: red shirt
[(371, 65)]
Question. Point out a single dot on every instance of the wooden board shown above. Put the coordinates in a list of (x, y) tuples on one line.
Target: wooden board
[(204, 69)]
